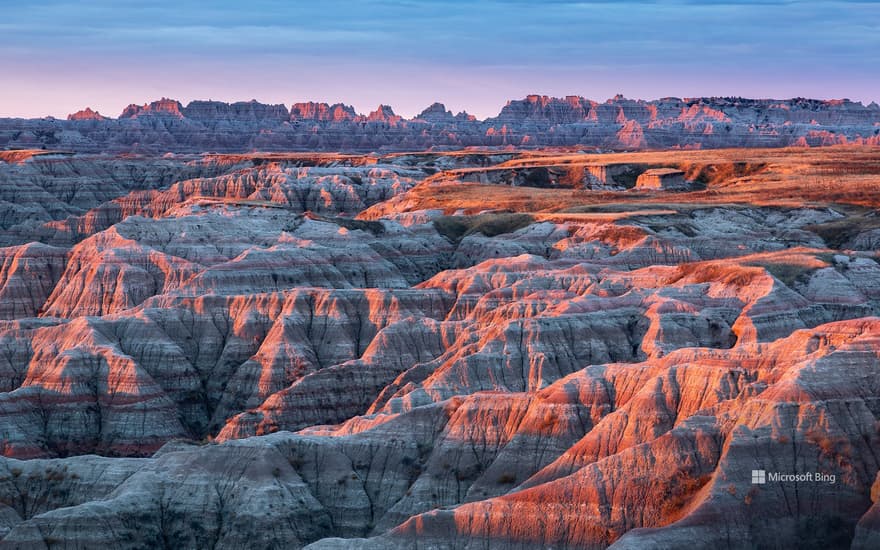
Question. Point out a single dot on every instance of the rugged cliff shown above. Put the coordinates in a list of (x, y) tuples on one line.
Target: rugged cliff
[(536, 121), (471, 349)]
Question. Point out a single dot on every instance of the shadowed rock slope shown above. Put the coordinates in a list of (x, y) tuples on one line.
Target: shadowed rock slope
[(534, 121), (371, 352)]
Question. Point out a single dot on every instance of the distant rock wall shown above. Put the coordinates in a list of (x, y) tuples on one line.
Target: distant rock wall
[(536, 121)]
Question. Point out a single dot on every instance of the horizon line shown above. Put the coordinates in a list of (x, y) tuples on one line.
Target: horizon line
[(288, 107)]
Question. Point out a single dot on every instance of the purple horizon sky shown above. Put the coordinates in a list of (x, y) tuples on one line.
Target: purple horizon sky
[(61, 56)]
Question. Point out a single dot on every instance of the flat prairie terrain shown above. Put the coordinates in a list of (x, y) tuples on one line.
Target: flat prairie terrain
[(767, 177)]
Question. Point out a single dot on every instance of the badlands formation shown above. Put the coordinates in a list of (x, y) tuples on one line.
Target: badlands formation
[(618, 124), (487, 348)]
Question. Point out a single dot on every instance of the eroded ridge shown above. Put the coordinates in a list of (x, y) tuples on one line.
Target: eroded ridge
[(476, 349)]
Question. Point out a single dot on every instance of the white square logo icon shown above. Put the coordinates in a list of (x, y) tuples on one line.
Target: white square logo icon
[(759, 477)]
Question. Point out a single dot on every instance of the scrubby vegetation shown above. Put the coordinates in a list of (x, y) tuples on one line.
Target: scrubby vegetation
[(839, 233), (788, 274), (374, 227), (455, 228), (719, 173)]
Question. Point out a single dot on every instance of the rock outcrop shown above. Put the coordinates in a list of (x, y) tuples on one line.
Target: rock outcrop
[(663, 179), (322, 112), (536, 121), (661, 451), (86, 114), (475, 349)]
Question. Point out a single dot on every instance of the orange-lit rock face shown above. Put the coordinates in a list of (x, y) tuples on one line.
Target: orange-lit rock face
[(86, 114), (474, 349), (618, 124)]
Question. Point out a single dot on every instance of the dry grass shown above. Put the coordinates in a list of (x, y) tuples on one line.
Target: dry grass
[(305, 159), (456, 228), (680, 494), (794, 177), (789, 274), (374, 227), (21, 155), (838, 233)]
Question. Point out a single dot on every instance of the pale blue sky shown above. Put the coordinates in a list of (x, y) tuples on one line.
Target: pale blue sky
[(59, 56)]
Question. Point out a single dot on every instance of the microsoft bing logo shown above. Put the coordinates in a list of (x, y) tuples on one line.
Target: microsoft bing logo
[(759, 477)]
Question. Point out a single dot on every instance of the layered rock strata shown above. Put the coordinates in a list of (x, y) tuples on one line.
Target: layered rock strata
[(535, 121), (329, 351)]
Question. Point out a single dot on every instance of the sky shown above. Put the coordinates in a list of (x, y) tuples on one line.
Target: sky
[(57, 57)]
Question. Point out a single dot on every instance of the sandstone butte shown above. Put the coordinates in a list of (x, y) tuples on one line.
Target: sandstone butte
[(480, 348)]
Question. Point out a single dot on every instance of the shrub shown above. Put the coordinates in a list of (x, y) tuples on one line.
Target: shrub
[(681, 490), (456, 228), (506, 478), (374, 227), (838, 233), (788, 274)]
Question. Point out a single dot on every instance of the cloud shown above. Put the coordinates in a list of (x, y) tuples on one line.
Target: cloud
[(450, 32), (675, 48)]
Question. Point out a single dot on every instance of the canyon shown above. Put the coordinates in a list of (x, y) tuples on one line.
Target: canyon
[(542, 337)]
